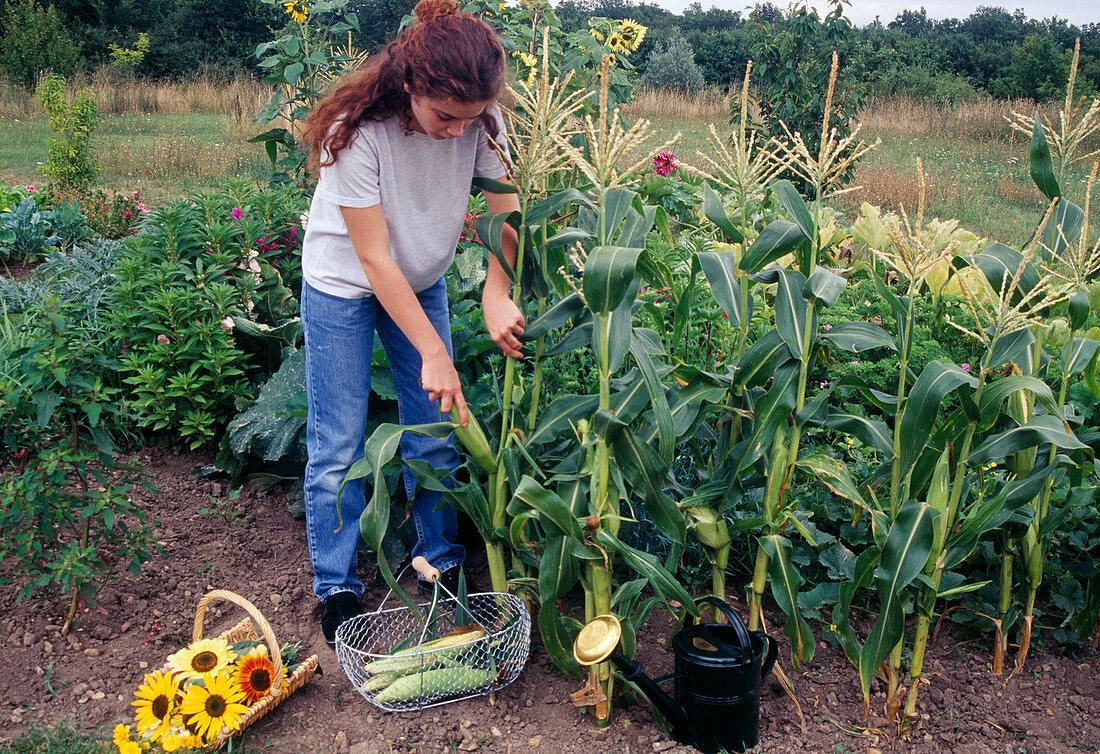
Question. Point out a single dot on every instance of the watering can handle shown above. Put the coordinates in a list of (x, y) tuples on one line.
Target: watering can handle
[(769, 660), (734, 620)]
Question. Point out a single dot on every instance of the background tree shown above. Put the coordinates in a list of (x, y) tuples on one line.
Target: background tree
[(34, 40), (672, 65)]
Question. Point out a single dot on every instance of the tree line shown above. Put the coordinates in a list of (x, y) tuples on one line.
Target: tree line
[(991, 52)]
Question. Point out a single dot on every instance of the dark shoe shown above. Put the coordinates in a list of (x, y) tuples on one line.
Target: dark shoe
[(337, 609)]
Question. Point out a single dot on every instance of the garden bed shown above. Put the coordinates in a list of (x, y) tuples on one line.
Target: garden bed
[(254, 546)]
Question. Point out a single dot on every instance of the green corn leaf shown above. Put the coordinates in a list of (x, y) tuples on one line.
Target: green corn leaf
[(778, 239), (785, 582), (995, 394), (1041, 430), (762, 359), (557, 639), (554, 317), (936, 381), (617, 204), (824, 286), (558, 569), (1062, 228), (682, 315), (636, 226), (795, 205), (858, 336), (721, 272), (546, 209), (834, 475), (716, 213), (560, 415), (1042, 167), (999, 264), (646, 472), (608, 275), (567, 236), (1079, 354), (790, 308), (494, 186), (771, 411), (658, 400), (1079, 309), (489, 228), (903, 557), (551, 508), (862, 576), (646, 565)]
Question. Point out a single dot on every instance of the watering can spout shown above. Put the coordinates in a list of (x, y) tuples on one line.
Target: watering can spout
[(596, 643)]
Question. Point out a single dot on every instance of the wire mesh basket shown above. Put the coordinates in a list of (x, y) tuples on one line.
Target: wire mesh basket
[(399, 661)]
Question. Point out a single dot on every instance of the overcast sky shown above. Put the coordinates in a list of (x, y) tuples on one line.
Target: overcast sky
[(863, 12)]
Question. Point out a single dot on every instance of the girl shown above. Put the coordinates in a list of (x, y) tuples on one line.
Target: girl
[(397, 145)]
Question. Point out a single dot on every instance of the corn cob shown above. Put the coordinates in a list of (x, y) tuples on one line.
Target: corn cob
[(452, 680), (411, 658), (473, 439), (379, 682)]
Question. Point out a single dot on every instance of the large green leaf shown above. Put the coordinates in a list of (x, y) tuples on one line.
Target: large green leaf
[(995, 394), (554, 317), (721, 271), (903, 557), (871, 432), (546, 209), (716, 213), (785, 582), (795, 205), (682, 313), (567, 236), (773, 409), (558, 569), (790, 308), (636, 226), (617, 204), (551, 508), (922, 408), (824, 286), (557, 640), (1041, 430), (863, 573), (858, 336), (1077, 354), (608, 275), (270, 427), (1000, 265), (646, 565), (778, 239), (834, 475), (494, 186), (658, 400), (489, 227), (1042, 167), (762, 359), (562, 413), (1079, 309), (1063, 229), (646, 472)]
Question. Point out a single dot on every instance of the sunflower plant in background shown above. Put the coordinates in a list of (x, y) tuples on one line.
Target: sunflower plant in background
[(204, 688)]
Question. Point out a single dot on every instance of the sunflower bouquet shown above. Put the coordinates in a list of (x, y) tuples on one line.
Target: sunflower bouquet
[(214, 687)]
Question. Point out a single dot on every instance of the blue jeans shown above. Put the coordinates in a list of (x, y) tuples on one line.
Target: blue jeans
[(339, 340)]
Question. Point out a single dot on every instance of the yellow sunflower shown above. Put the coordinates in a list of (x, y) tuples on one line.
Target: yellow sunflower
[(213, 704), (155, 702), (633, 32), (297, 10), (617, 42), (201, 657), (178, 737), (255, 675), (123, 742), (597, 34)]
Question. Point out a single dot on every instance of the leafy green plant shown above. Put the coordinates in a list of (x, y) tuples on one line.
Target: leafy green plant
[(108, 215), (35, 39), (25, 232), (67, 508), (69, 160), (672, 66)]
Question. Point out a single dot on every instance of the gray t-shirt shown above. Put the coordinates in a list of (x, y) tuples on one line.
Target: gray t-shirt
[(423, 185)]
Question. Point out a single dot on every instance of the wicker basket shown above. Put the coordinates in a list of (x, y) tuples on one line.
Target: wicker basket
[(247, 630)]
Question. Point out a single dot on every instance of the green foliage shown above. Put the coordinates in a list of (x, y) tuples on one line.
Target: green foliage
[(109, 215), (64, 739), (69, 159), (300, 63), (24, 232), (672, 66), (791, 72), (128, 58), (65, 504), (34, 40)]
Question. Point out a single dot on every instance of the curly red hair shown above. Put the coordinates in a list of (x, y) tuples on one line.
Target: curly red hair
[(446, 54)]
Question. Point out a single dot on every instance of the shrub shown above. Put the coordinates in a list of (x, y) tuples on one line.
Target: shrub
[(69, 159), (672, 66), (109, 215), (34, 40), (24, 232)]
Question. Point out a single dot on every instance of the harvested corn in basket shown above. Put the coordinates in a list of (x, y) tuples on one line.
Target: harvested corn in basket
[(404, 659)]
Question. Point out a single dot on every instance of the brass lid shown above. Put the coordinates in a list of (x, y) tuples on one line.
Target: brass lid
[(597, 640)]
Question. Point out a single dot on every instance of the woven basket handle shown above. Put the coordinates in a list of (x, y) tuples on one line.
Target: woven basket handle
[(258, 620)]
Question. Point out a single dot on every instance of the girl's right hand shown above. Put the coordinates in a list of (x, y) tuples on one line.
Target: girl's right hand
[(440, 381)]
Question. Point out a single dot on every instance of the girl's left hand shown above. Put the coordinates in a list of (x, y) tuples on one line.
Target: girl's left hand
[(505, 324)]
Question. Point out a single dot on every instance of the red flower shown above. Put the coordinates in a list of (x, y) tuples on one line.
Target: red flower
[(664, 163)]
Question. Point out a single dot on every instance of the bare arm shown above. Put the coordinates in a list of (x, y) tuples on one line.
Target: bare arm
[(371, 239), (503, 319)]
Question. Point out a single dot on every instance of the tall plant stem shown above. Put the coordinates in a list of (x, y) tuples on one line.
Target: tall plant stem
[(905, 333), (759, 581), (494, 552), (773, 495), (1000, 642), (920, 643)]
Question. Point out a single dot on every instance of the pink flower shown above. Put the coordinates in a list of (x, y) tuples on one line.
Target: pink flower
[(127, 214), (823, 384), (227, 323), (125, 348), (966, 368), (293, 232), (31, 190), (133, 193), (827, 327), (664, 163), (141, 207), (236, 213), (162, 339)]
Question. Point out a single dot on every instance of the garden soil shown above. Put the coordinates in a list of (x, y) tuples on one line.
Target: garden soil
[(254, 546)]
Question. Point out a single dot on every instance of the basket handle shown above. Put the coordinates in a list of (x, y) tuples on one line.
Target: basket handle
[(258, 620)]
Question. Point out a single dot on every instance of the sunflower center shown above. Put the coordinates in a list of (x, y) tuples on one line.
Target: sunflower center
[(260, 680), (160, 707), (204, 661), (215, 705)]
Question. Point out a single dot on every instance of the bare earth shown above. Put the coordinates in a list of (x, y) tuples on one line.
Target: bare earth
[(256, 548)]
